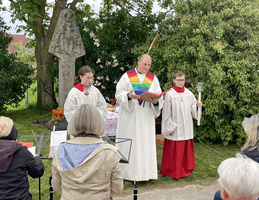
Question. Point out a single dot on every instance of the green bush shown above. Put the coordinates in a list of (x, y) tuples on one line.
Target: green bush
[(15, 76), (216, 42)]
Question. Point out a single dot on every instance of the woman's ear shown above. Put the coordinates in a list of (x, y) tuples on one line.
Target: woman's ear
[(223, 194)]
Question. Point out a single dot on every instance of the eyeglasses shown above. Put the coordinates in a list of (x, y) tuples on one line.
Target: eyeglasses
[(180, 80)]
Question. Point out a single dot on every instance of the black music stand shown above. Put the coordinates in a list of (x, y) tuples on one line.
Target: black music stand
[(113, 140)]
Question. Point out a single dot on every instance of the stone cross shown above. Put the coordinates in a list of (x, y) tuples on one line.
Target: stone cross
[(67, 45)]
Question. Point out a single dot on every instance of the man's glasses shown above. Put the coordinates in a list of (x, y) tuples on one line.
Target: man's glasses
[(180, 80)]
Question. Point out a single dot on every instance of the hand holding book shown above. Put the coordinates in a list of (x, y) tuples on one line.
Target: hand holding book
[(144, 96)]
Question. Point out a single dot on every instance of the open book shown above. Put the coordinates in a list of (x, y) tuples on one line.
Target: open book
[(144, 96)]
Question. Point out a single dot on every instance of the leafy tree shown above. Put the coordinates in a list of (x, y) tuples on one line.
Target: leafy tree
[(109, 41), (215, 42), (41, 24), (15, 76)]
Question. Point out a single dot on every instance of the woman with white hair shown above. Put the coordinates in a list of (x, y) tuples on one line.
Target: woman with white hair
[(239, 178), (86, 167), (251, 146)]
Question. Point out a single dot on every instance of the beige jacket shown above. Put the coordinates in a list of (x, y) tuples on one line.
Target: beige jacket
[(98, 177)]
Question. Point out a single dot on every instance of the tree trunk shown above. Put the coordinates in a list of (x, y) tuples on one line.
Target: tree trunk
[(43, 36), (46, 95)]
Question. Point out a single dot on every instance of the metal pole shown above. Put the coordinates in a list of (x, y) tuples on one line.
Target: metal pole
[(50, 189), (39, 190), (135, 197), (40, 143), (199, 110), (26, 98)]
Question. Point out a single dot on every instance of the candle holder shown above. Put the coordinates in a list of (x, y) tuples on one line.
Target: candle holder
[(200, 86)]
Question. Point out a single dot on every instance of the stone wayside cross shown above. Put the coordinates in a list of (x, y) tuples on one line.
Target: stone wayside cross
[(67, 45)]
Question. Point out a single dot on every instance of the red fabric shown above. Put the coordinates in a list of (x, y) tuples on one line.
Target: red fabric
[(79, 86), (178, 158), (178, 90)]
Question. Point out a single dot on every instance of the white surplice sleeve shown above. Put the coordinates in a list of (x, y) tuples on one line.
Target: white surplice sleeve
[(194, 108), (168, 126), (123, 87), (102, 106), (155, 87), (71, 104)]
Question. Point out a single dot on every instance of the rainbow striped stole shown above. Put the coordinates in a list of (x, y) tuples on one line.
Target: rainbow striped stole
[(137, 86)]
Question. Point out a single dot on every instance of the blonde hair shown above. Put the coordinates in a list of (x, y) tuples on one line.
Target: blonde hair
[(251, 128), (6, 125), (86, 120)]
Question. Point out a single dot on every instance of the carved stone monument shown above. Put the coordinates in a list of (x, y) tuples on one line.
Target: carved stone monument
[(67, 45)]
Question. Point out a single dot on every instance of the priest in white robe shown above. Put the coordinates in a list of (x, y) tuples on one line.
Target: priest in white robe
[(136, 121), (84, 92)]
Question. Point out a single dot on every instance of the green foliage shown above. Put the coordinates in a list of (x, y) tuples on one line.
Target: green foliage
[(108, 42), (14, 75), (28, 12), (25, 55), (215, 42)]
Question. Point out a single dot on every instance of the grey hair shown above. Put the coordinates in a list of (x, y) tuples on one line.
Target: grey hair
[(250, 126), (144, 56), (86, 120), (239, 177)]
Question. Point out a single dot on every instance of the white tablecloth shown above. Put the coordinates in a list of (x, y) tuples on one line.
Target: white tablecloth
[(110, 125)]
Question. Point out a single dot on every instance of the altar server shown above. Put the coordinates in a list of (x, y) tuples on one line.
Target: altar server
[(180, 106), (84, 92)]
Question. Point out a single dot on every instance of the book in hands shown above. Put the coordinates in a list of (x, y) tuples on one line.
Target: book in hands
[(144, 96)]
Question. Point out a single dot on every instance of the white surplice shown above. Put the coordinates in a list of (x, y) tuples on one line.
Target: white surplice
[(137, 122), (177, 114), (75, 98)]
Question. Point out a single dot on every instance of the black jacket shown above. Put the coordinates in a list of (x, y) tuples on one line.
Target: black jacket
[(254, 154), (15, 162)]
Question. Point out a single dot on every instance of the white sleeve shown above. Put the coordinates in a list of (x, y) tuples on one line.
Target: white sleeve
[(70, 105), (123, 87), (168, 126), (102, 107)]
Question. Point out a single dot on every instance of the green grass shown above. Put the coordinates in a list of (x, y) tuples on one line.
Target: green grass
[(32, 99), (207, 156)]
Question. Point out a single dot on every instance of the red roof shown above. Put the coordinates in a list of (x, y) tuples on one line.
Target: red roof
[(20, 39)]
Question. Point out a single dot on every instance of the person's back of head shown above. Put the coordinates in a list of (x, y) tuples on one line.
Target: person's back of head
[(86, 120), (239, 178), (251, 128), (7, 129)]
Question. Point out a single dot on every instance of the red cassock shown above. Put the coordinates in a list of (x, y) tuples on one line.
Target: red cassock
[(178, 158)]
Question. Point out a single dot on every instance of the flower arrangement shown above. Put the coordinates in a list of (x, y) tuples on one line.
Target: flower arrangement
[(58, 114)]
